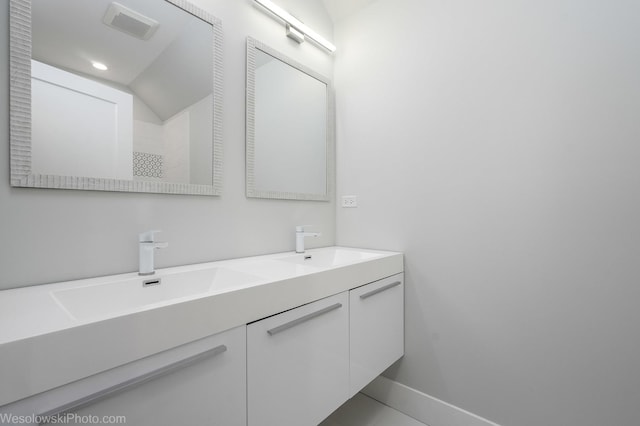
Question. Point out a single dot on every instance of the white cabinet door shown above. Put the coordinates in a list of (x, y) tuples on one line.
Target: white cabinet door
[(200, 383), (298, 364), (376, 329), (80, 127)]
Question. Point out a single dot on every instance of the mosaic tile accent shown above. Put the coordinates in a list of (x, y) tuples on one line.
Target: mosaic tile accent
[(147, 165)]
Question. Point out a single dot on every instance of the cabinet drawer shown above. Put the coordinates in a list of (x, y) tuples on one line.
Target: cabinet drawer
[(202, 382), (298, 364), (376, 329)]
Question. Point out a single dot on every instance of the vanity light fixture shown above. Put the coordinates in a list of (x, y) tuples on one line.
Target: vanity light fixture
[(295, 34), (296, 29), (99, 66)]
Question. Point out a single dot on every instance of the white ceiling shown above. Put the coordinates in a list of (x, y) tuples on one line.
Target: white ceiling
[(69, 34), (340, 9)]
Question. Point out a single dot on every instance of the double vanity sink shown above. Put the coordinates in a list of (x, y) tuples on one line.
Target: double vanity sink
[(86, 300), (56, 334)]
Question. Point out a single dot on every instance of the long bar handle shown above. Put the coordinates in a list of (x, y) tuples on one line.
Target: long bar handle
[(380, 290), (128, 384), (304, 318)]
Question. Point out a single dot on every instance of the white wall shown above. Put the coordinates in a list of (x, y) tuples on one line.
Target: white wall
[(53, 235), (200, 154), (176, 136), (497, 143)]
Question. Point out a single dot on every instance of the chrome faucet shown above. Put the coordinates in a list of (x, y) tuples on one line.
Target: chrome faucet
[(148, 244), (300, 235)]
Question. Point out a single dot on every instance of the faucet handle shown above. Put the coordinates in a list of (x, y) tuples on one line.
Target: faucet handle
[(300, 228), (148, 236)]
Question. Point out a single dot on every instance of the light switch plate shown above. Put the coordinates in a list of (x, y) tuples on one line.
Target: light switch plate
[(349, 201)]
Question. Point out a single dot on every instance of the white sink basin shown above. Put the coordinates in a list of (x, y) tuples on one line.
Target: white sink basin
[(118, 297), (330, 257)]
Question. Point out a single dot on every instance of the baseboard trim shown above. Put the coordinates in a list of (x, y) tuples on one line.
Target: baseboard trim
[(422, 407)]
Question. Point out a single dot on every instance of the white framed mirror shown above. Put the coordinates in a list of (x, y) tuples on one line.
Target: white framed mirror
[(290, 128), (119, 95)]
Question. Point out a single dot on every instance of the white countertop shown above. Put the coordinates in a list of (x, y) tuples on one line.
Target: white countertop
[(47, 344)]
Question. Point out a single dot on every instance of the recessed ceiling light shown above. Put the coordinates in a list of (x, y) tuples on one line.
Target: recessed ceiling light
[(99, 65)]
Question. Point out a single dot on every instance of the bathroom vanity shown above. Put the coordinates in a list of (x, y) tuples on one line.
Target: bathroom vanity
[(281, 339)]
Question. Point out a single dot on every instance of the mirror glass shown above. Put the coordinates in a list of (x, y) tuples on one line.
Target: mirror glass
[(123, 96), (289, 128)]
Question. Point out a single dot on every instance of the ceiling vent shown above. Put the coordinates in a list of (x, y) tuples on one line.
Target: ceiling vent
[(129, 21)]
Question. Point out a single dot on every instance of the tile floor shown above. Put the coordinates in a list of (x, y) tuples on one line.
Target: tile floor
[(364, 411)]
